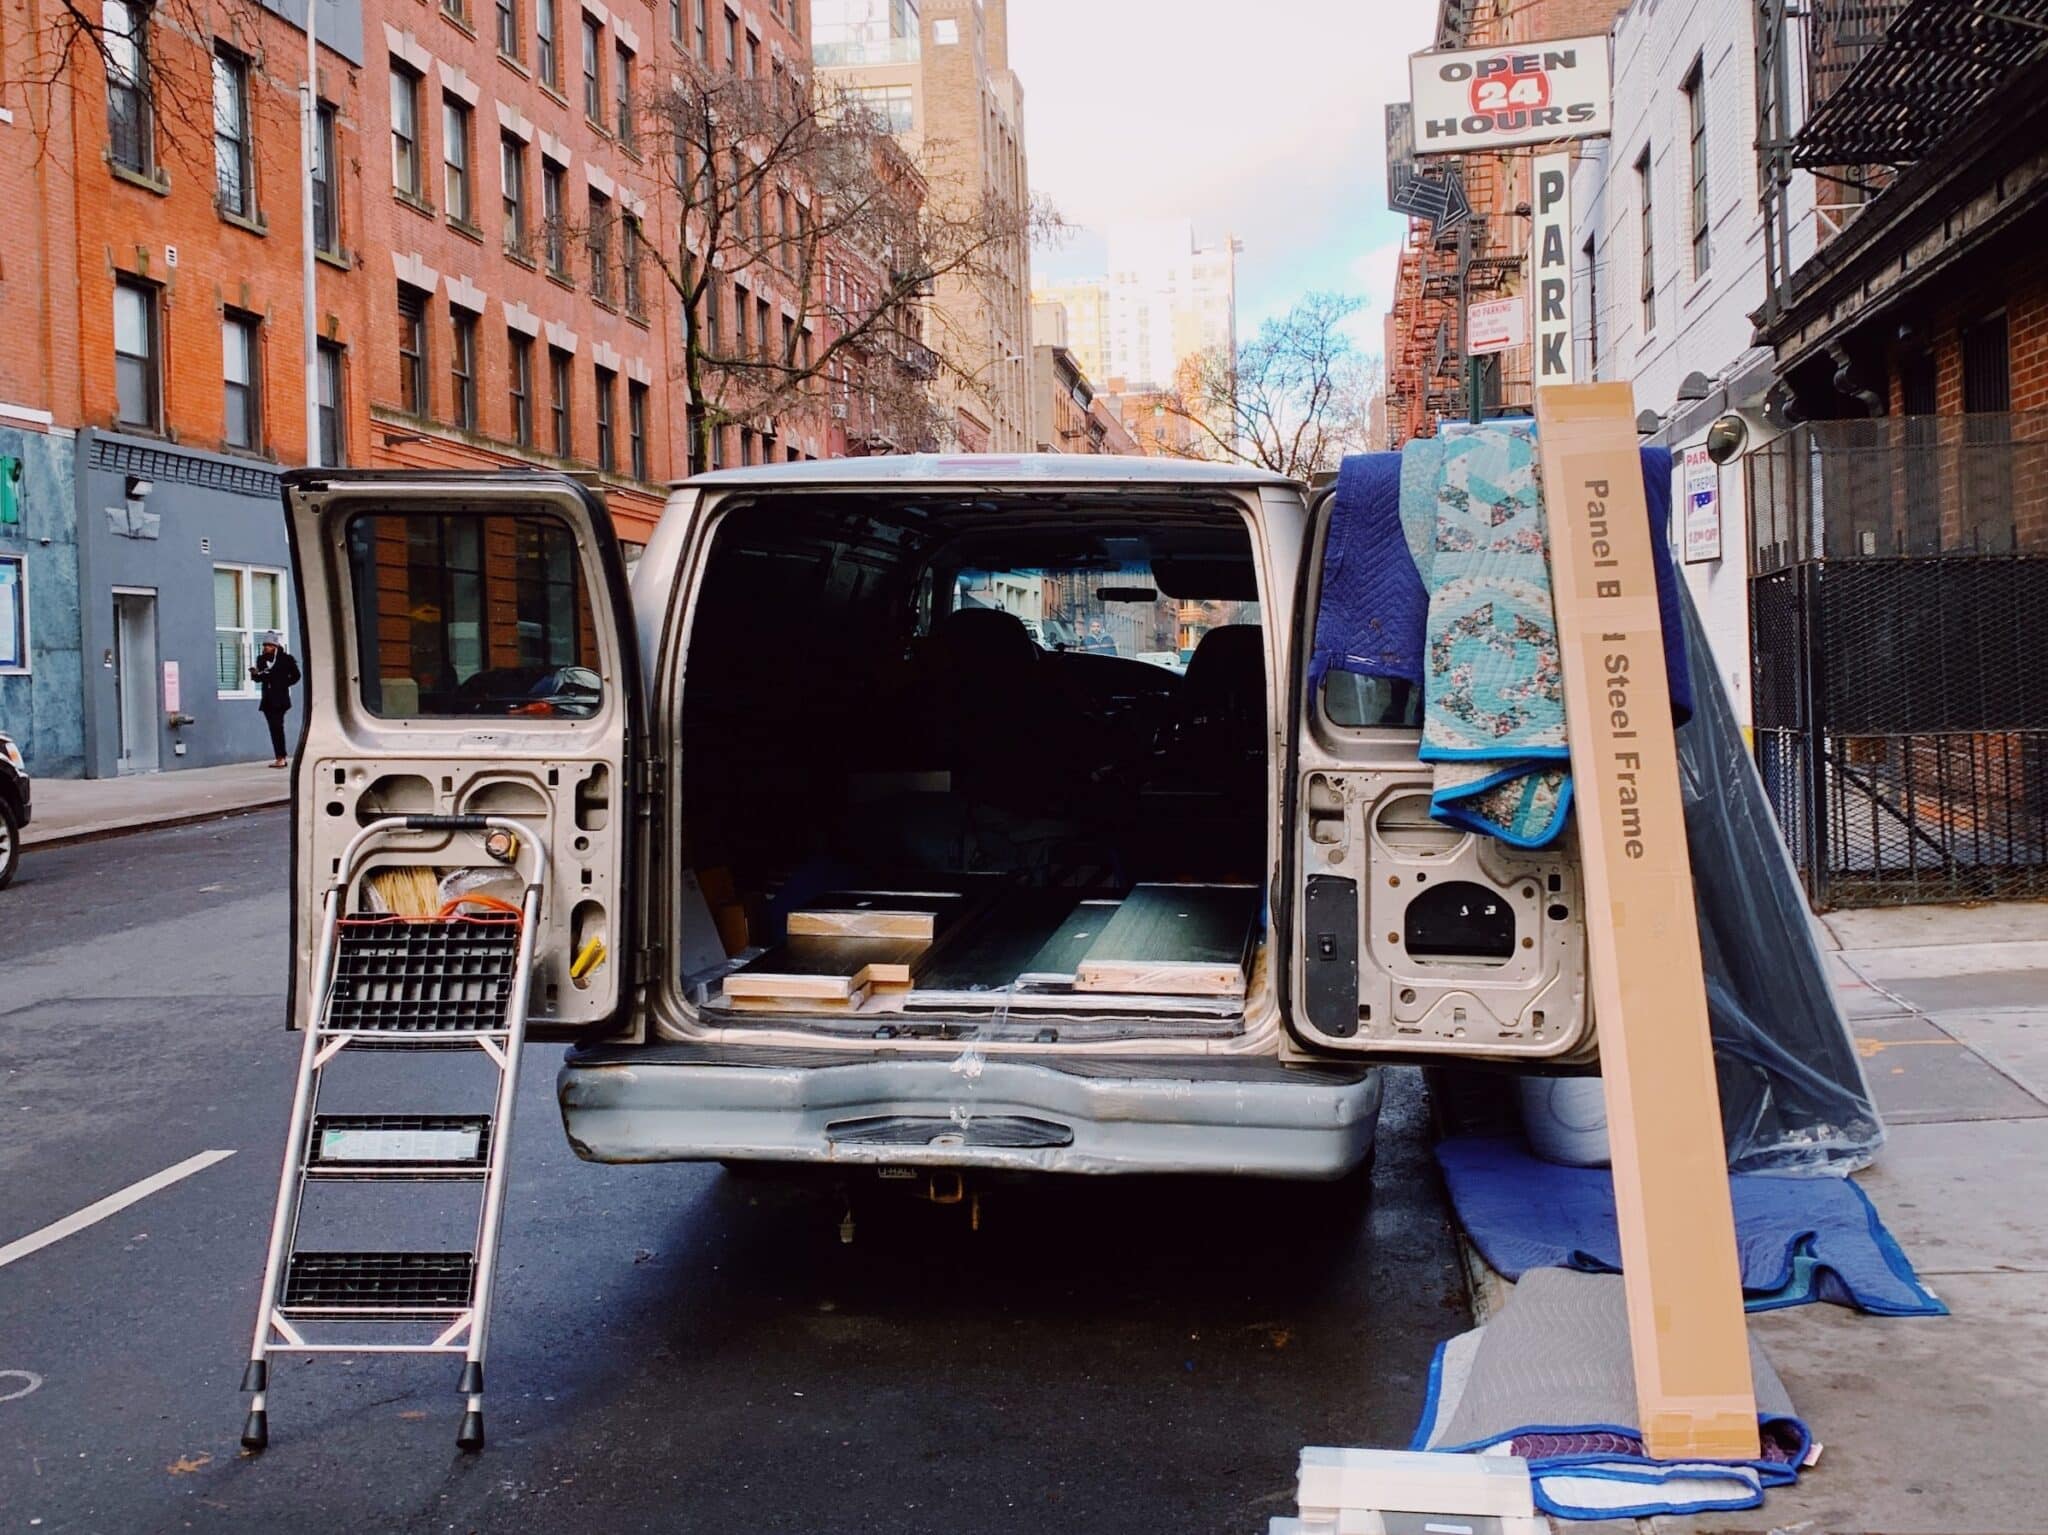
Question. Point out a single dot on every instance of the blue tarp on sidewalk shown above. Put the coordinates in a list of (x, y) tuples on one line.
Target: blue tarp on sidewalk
[(1800, 1239)]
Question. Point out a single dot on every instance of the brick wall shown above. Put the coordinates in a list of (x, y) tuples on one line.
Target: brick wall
[(81, 222)]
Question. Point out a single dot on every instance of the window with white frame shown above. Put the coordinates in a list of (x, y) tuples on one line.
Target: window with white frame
[(13, 613), (248, 602)]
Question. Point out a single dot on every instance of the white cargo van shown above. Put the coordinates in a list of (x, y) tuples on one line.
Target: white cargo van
[(1104, 913)]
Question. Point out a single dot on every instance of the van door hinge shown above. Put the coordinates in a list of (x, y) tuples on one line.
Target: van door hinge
[(647, 781)]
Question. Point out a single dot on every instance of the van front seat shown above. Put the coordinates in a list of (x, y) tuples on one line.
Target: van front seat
[(992, 716), (1223, 698)]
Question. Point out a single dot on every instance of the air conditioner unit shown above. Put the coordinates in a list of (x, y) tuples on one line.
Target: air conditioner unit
[(839, 413)]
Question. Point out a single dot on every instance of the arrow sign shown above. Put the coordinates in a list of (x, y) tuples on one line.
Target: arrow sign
[(1436, 196)]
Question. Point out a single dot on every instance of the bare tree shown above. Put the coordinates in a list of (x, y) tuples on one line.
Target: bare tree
[(1295, 398), (788, 188), (156, 58)]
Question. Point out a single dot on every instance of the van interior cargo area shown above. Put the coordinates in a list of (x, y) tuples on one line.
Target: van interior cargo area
[(947, 753)]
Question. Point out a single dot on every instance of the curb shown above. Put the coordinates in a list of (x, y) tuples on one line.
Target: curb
[(113, 829)]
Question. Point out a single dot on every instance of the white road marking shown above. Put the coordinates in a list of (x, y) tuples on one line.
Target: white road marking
[(100, 1209), (33, 1382)]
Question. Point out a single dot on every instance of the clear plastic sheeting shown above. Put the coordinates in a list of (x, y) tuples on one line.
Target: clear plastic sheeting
[(1793, 1095)]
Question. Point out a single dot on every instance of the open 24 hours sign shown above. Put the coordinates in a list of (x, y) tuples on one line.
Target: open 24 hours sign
[(1515, 93)]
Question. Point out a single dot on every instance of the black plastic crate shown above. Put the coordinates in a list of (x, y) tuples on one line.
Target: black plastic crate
[(405, 975)]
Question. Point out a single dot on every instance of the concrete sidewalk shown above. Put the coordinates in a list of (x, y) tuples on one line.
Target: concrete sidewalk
[(1932, 1425), (79, 809)]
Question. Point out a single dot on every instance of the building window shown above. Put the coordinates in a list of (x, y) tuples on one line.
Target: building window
[(622, 96), (512, 175), (599, 238), (675, 19), (753, 57), (558, 402), (243, 427), (333, 436), (455, 116), (234, 188), (520, 359), (508, 28), (714, 305), (1592, 313), (703, 30), (892, 107), (746, 445), (551, 179), (1643, 189), (547, 61), (326, 184), (629, 265), (125, 38), (593, 83), (718, 447), (248, 603), (607, 399), (138, 355), (13, 613), (636, 428), (462, 366), (732, 41), (405, 129), (741, 305), (412, 350), (1696, 126), (456, 8)]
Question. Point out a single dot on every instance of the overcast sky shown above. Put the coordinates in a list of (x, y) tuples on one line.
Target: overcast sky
[(1264, 121)]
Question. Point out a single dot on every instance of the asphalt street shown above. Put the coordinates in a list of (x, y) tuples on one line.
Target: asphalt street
[(674, 1348)]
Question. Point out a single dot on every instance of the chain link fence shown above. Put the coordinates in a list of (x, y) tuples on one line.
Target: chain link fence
[(1898, 607)]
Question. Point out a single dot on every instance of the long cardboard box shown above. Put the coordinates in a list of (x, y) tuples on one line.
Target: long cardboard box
[(1677, 1225)]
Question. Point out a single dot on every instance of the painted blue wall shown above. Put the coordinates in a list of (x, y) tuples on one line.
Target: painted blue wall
[(210, 509), (41, 709)]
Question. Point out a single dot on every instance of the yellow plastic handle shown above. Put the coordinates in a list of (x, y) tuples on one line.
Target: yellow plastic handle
[(588, 958)]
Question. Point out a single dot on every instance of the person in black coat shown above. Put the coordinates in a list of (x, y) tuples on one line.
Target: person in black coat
[(275, 672)]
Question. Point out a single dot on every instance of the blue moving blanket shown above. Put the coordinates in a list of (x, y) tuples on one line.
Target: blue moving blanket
[(1800, 1239), (1379, 578)]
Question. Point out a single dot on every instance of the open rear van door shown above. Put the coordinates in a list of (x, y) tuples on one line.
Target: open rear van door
[(1407, 937), (468, 650)]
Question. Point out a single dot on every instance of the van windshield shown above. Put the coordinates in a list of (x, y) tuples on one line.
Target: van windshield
[(1116, 610), (462, 615)]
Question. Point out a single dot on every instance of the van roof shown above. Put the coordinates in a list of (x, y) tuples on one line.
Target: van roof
[(910, 469)]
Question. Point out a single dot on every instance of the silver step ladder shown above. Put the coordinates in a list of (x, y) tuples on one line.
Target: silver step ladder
[(455, 982)]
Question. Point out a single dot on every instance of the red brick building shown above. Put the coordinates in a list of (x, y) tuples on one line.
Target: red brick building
[(1426, 374)]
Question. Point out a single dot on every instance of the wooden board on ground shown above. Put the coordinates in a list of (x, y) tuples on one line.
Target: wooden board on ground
[(1055, 964), (1176, 940), (825, 969), (1677, 1229)]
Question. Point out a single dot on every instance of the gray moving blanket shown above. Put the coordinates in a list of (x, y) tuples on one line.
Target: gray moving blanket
[(1550, 1379)]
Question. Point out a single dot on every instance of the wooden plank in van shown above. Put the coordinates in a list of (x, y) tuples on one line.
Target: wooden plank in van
[(1176, 940)]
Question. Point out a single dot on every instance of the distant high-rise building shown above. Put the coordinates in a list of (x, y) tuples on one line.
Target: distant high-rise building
[(1084, 306), (938, 72), (1168, 299)]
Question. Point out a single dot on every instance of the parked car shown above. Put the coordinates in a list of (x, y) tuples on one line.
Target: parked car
[(786, 708), (14, 807)]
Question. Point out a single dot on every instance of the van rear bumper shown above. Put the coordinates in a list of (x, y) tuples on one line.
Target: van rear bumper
[(1075, 1114)]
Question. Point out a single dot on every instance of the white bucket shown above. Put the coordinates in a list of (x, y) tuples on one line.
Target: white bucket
[(1565, 1119)]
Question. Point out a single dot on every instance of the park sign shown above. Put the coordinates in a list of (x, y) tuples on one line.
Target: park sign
[(1515, 93)]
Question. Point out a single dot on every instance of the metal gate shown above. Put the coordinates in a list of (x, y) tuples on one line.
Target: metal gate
[(1899, 640)]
